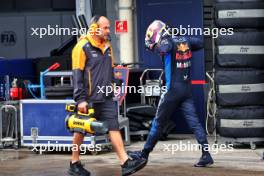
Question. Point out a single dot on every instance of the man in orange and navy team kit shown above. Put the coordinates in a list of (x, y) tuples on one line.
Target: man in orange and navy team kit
[(92, 64)]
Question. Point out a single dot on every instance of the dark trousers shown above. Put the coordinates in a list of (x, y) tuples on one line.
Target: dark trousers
[(176, 97)]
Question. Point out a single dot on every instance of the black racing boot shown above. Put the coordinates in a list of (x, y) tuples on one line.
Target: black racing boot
[(138, 154), (205, 160), (76, 169), (133, 165)]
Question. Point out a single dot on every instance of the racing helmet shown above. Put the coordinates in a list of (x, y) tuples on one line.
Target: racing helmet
[(154, 33)]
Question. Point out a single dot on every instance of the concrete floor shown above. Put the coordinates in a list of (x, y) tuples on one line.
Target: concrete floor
[(241, 161)]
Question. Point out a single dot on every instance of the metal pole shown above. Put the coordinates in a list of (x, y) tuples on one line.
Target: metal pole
[(83, 7)]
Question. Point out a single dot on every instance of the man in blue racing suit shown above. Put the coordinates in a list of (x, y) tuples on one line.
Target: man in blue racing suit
[(176, 53)]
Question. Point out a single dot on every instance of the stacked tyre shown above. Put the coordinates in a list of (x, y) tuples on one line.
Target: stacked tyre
[(141, 118), (239, 68), (59, 92)]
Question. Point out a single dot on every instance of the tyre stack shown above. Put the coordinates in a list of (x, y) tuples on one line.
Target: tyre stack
[(59, 92), (141, 118), (239, 69)]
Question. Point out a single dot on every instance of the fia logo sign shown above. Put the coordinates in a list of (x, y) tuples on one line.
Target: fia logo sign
[(8, 38)]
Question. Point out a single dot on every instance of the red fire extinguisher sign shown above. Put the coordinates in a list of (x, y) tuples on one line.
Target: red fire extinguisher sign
[(120, 26)]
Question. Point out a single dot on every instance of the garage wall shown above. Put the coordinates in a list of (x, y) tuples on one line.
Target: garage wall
[(16, 40), (36, 5)]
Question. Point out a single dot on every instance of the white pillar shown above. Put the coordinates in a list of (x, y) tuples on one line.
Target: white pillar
[(126, 39)]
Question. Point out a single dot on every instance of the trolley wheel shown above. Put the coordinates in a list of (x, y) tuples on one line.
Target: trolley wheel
[(35, 150), (216, 145), (108, 148), (15, 147), (94, 153), (253, 146), (227, 143)]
